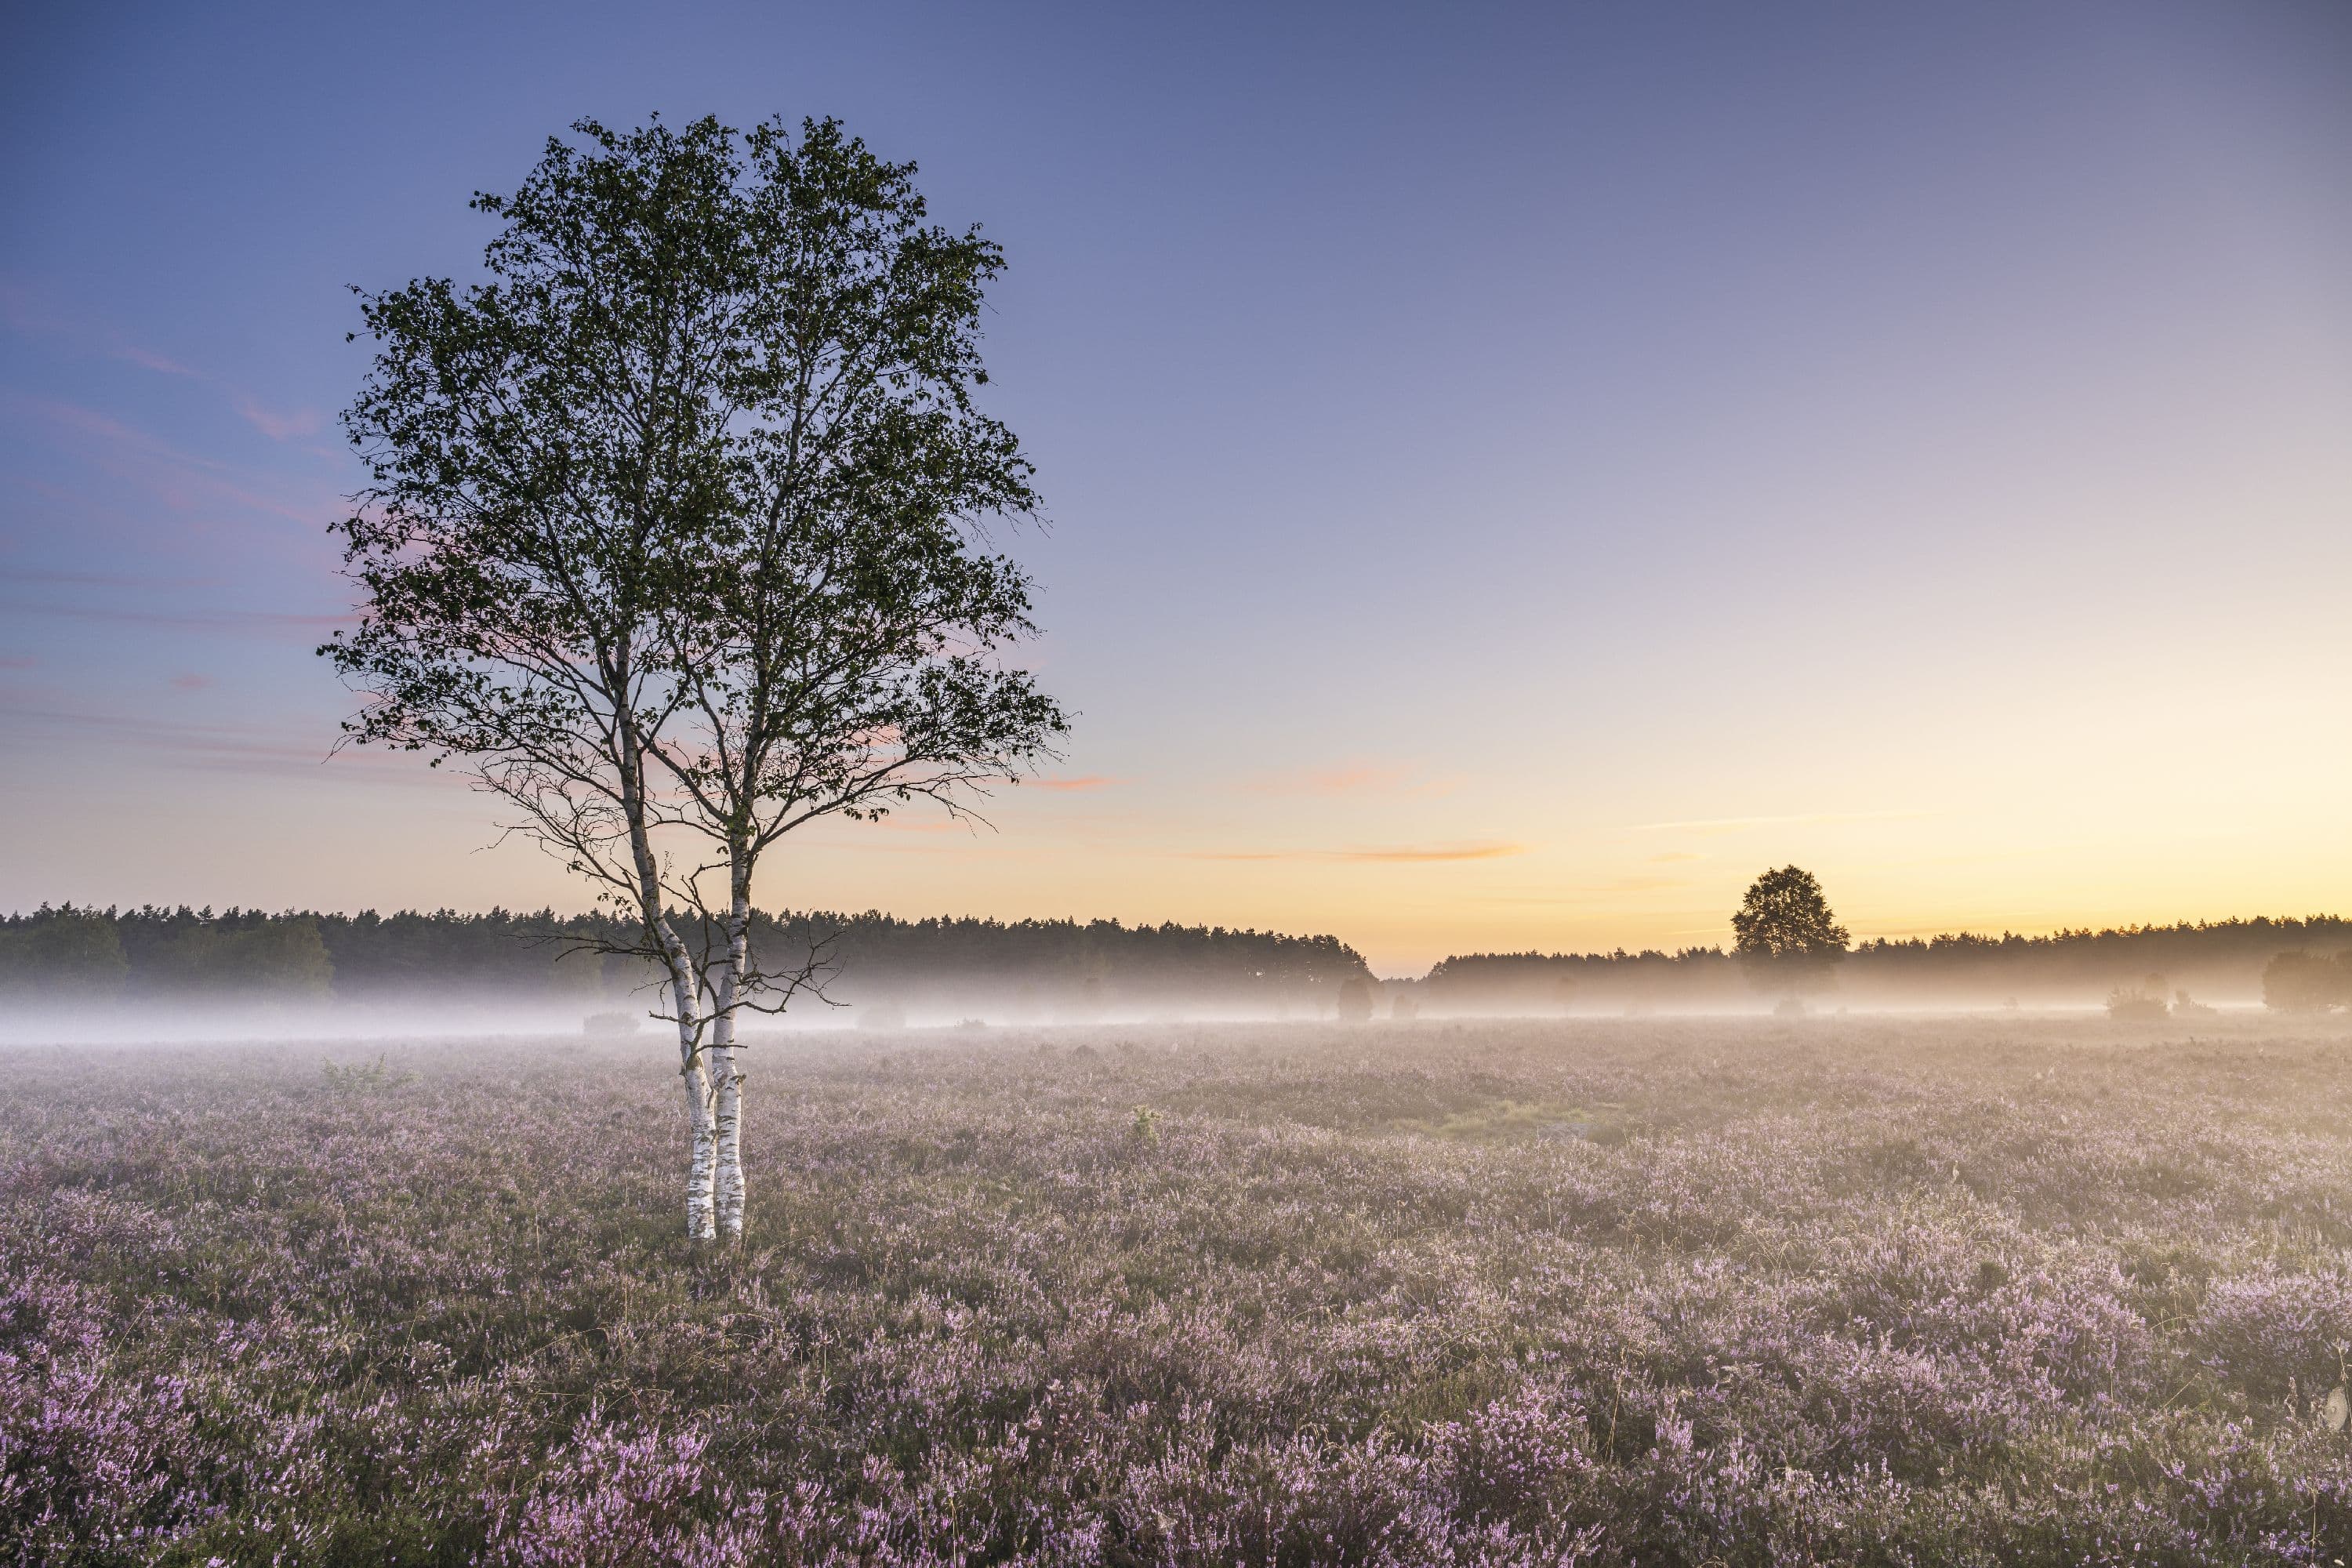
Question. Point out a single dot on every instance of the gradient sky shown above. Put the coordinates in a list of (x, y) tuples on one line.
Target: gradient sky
[(1515, 472)]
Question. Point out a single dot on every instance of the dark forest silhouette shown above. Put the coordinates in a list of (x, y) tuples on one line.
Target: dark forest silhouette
[(411, 957)]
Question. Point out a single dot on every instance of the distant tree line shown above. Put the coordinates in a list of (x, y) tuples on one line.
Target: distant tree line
[(1050, 966), (1070, 968), (2226, 960)]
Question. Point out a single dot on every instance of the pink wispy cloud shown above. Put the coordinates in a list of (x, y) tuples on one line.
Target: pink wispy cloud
[(278, 427), (1084, 781), (40, 314), (232, 748), (183, 481), (148, 359), (1360, 778), (1353, 778), (21, 311)]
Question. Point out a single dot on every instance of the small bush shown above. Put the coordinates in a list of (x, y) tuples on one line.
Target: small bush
[(363, 1078), (2138, 1003)]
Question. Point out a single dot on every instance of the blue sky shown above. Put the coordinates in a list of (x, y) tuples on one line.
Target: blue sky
[(1514, 471)]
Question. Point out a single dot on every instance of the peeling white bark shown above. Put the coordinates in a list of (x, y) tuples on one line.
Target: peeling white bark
[(727, 1116), (702, 1153)]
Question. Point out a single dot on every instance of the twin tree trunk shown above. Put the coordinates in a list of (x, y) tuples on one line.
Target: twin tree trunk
[(713, 1089)]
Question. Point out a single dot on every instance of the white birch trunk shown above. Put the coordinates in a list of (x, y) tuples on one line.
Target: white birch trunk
[(702, 1110), (727, 1080)]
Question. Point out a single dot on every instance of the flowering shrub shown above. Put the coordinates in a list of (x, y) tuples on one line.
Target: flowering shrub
[(1562, 1292)]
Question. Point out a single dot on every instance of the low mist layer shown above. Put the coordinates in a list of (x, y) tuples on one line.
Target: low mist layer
[(182, 974)]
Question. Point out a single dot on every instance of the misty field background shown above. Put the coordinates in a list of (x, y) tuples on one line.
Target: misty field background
[(1661, 1291)]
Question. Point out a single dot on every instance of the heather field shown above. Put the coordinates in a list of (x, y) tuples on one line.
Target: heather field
[(1659, 1291)]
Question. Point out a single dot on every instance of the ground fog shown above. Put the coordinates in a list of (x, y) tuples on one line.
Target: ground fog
[(1654, 1292)]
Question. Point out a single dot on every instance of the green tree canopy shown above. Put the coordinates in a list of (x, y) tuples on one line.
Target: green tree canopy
[(61, 953)]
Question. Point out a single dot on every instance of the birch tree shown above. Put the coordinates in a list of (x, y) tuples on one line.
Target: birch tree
[(667, 538)]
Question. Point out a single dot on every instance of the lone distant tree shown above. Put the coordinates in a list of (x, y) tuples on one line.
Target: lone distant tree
[(667, 541), (1786, 936)]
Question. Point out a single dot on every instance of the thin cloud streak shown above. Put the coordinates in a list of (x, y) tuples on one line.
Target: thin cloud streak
[(1084, 781), (1740, 824), (225, 747), (194, 620), (1589, 895), (1395, 854), (31, 578)]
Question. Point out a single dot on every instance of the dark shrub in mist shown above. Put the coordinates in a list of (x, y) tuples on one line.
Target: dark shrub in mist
[(2140, 1004), (2307, 982)]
